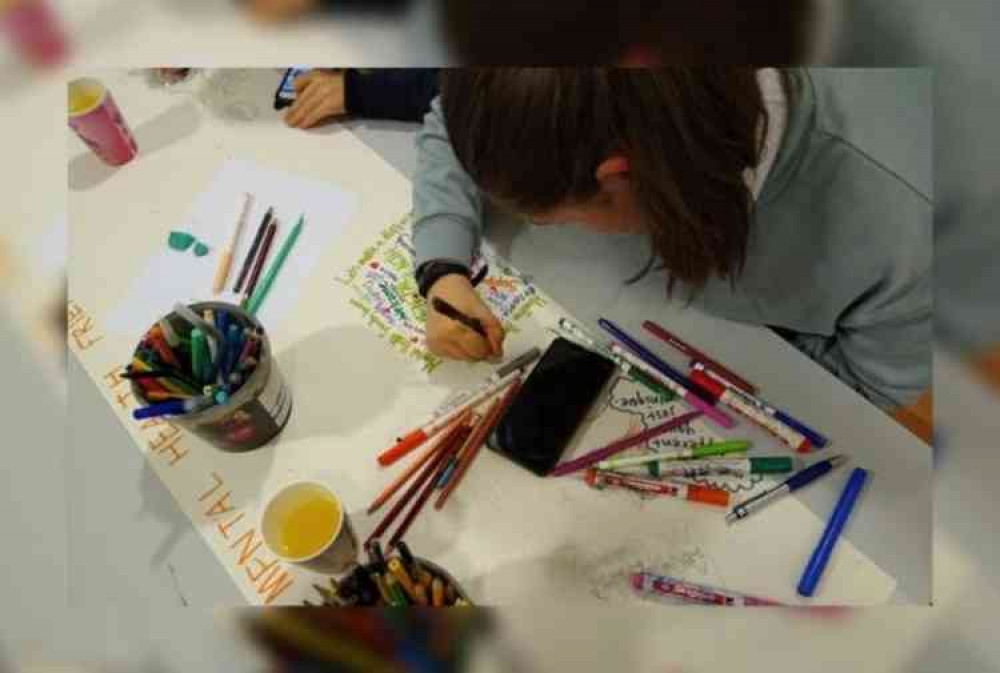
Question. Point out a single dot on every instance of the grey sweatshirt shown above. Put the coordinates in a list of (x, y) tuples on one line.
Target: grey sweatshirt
[(840, 252)]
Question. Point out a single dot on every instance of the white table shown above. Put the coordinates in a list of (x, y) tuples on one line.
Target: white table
[(113, 491)]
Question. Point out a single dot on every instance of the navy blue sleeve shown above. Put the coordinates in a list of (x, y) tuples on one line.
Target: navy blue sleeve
[(403, 94)]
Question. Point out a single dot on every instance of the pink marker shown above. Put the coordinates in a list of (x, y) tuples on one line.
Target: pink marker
[(712, 413), (670, 587)]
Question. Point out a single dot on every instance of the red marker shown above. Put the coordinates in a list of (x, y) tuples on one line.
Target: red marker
[(695, 354)]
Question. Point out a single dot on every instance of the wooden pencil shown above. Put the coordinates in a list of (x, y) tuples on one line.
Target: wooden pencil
[(429, 487), (444, 451), (391, 489), (476, 440)]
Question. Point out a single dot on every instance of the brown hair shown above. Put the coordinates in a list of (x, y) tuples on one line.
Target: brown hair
[(604, 32), (532, 139)]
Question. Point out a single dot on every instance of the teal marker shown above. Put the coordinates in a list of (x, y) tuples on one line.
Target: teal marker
[(697, 452)]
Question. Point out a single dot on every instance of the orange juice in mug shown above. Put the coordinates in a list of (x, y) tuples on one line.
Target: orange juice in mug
[(305, 523)]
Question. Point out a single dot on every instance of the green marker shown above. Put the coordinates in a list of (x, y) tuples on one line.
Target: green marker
[(718, 449), (258, 296), (199, 355)]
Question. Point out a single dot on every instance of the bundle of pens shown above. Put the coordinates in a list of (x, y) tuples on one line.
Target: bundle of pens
[(461, 431), (399, 581), (177, 371), (709, 385)]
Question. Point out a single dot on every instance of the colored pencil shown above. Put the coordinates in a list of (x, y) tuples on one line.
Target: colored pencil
[(260, 293), (251, 255), (428, 470), (265, 248), (226, 258), (429, 486), (391, 489), (624, 443), (476, 439)]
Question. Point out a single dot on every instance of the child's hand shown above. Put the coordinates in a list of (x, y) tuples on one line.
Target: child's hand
[(319, 95), (450, 338)]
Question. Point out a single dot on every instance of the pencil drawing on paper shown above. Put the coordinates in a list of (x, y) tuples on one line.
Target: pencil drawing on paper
[(386, 293)]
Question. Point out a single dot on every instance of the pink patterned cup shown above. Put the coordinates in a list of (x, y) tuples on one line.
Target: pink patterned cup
[(95, 117)]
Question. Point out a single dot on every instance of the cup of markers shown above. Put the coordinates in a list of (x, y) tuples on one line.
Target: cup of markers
[(208, 367)]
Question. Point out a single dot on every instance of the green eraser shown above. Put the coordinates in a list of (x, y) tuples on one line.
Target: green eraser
[(200, 249), (180, 240)]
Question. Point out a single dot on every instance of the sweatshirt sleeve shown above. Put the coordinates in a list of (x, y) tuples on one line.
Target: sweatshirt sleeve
[(885, 355), (448, 207), (403, 94)]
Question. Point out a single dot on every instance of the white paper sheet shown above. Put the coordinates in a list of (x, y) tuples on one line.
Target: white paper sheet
[(171, 275)]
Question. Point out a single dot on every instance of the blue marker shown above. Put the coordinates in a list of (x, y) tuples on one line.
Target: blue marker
[(821, 555), (173, 407), (654, 361)]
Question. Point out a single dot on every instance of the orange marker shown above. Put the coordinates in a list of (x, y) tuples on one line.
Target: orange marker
[(421, 592), (417, 437), (691, 492), (391, 489)]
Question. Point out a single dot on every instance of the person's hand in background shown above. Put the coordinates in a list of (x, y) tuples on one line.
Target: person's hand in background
[(319, 96), (270, 11), (450, 338)]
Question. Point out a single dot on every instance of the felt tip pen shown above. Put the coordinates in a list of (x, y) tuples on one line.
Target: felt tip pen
[(172, 407), (733, 467), (824, 548), (711, 413), (649, 584), (650, 358), (576, 333), (417, 437), (197, 321), (815, 438), (690, 492), (518, 364), (703, 451), (735, 400), (687, 349), (793, 483)]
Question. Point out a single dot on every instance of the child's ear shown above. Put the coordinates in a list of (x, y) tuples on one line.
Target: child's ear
[(612, 172)]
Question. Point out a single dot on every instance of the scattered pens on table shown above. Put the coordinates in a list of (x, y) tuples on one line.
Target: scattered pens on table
[(642, 358), (695, 354), (736, 400), (593, 457), (815, 438), (790, 485)]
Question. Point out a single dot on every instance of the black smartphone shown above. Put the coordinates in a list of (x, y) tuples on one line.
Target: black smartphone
[(553, 402)]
